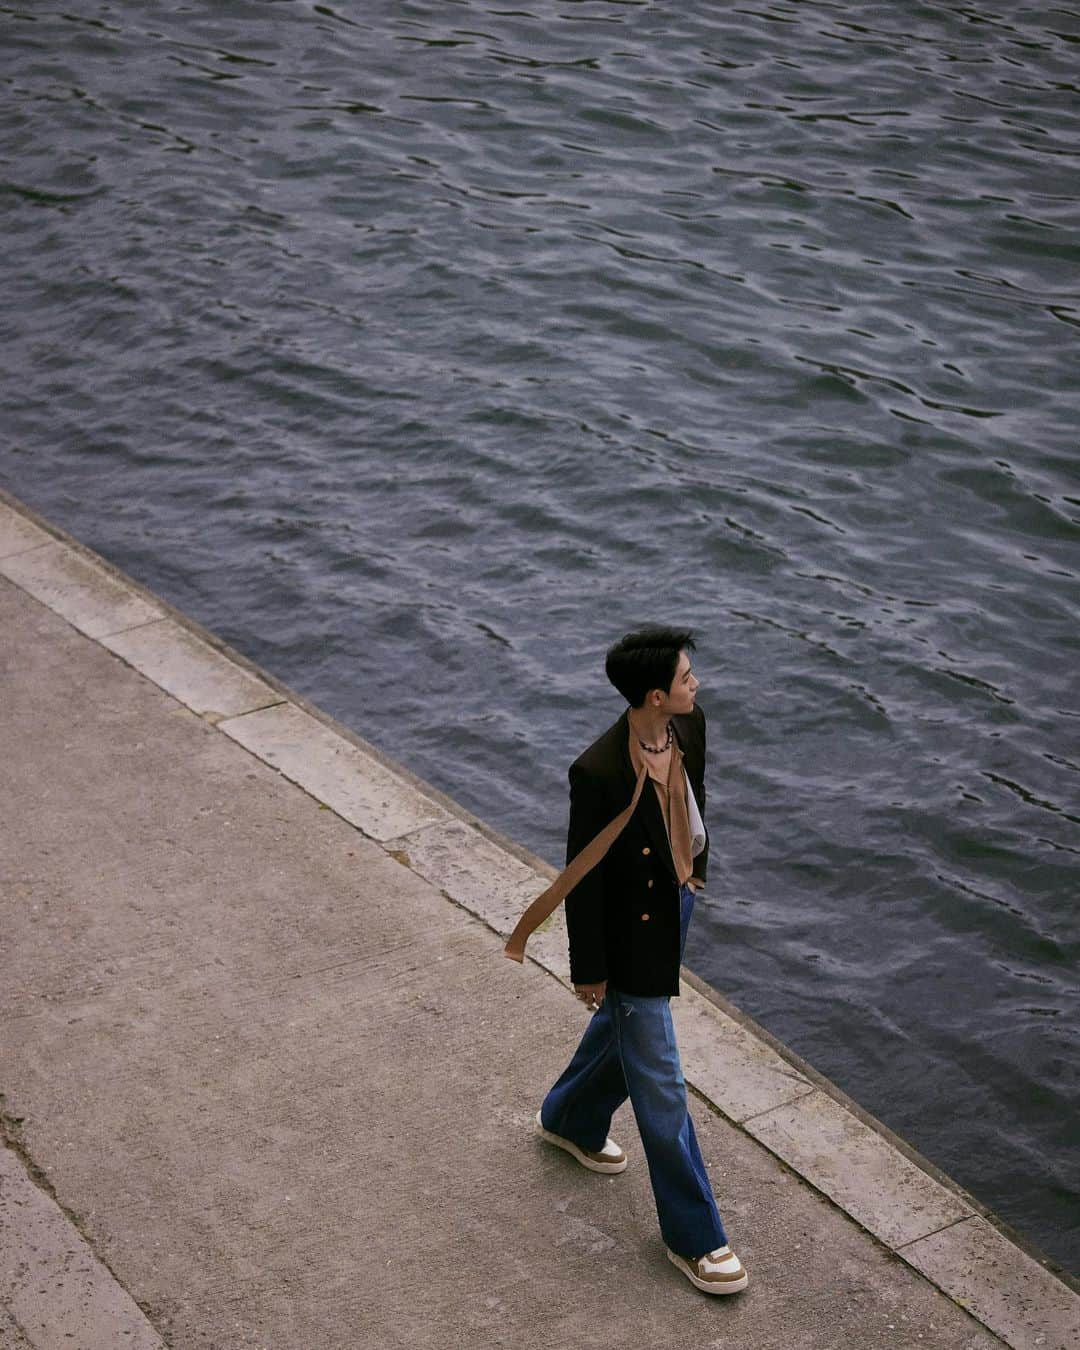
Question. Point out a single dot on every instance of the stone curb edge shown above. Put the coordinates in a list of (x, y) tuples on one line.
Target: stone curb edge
[(804, 1119)]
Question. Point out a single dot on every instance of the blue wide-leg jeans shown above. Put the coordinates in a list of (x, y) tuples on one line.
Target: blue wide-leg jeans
[(629, 1050)]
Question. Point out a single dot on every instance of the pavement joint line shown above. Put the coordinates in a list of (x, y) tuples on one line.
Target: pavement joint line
[(236, 717), (217, 718), (18, 552), (820, 1085), (824, 1195), (778, 1106), (115, 632), (308, 792), (9, 1139), (36, 1177), (964, 1218), (897, 1248)]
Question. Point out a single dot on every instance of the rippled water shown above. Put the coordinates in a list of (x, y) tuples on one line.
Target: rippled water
[(421, 349)]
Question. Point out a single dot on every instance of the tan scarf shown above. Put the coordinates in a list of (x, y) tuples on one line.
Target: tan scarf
[(547, 903)]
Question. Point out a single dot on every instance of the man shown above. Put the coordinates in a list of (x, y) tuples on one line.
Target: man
[(633, 869)]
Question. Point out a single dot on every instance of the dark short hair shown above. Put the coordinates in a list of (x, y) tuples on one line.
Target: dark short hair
[(646, 659)]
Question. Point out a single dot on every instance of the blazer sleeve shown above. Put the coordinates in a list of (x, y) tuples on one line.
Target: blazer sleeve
[(585, 903)]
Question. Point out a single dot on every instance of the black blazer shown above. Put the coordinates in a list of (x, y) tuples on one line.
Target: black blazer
[(623, 917)]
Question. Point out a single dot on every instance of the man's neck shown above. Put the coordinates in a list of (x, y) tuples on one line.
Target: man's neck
[(649, 725)]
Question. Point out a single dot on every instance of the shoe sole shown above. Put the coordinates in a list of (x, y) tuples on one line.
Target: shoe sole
[(609, 1169), (710, 1286)]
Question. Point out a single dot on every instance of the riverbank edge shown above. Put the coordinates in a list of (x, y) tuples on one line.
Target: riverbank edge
[(736, 1067)]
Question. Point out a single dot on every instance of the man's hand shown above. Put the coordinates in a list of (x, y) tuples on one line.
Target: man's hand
[(592, 995)]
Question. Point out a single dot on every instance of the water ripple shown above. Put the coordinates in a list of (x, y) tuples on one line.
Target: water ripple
[(451, 340)]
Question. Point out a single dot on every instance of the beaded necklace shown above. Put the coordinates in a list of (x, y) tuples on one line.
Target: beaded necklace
[(657, 749)]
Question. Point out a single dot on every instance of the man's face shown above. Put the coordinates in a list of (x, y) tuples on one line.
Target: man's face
[(684, 686)]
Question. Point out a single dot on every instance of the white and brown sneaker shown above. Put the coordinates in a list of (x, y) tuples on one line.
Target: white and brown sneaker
[(718, 1272), (610, 1158)]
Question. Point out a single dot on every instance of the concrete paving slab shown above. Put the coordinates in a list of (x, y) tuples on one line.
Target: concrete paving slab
[(857, 1168), (333, 770), (209, 910), (72, 585), (56, 1293), (281, 1081), (721, 1059), (17, 534), (738, 1072), (471, 870), (1008, 1291), (191, 670)]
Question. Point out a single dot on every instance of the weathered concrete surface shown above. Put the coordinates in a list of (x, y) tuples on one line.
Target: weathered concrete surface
[(284, 1087), (71, 585), (342, 776), (52, 1284), (985, 1273), (856, 1167), (715, 1044), (191, 670), (19, 535)]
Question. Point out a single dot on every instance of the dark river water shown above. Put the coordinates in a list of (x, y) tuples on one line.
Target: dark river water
[(421, 349)]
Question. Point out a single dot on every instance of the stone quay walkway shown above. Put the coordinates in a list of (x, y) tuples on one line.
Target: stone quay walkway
[(268, 1081)]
